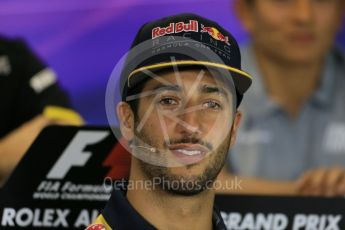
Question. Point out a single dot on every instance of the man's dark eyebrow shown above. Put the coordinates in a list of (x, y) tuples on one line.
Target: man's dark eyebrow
[(214, 89), (162, 87)]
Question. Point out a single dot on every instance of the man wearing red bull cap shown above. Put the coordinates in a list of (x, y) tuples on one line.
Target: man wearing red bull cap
[(179, 115)]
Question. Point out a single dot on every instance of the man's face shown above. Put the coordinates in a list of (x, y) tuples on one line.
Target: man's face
[(188, 120), (293, 31)]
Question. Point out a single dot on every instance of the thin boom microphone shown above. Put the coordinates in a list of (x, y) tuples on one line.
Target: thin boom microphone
[(152, 149)]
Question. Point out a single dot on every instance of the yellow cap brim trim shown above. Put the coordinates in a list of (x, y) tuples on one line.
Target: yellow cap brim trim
[(167, 64)]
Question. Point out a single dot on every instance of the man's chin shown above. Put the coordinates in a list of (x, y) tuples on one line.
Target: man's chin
[(185, 182), (185, 186), (185, 192)]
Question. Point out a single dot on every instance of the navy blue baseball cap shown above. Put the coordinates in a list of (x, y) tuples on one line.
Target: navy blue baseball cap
[(205, 33)]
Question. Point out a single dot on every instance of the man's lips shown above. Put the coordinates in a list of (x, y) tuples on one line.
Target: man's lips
[(302, 37), (189, 153)]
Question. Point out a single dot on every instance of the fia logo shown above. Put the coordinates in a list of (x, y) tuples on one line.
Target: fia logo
[(74, 155)]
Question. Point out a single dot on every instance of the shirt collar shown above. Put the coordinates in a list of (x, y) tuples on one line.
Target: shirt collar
[(258, 101), (323, 96), (120, 214)]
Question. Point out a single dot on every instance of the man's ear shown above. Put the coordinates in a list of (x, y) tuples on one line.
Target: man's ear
[(243, 10), (235, 127), (126, 119)]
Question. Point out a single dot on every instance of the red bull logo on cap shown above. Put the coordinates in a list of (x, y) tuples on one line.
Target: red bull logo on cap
[(215, 33), (175, 28)]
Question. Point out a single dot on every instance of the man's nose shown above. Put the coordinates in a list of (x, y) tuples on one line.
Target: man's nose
[(302, 11), (190, 123)]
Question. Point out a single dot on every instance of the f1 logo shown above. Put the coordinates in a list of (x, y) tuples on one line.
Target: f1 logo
[(74, 154)]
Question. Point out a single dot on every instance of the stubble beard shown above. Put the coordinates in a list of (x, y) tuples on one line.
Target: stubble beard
[(179, 184)]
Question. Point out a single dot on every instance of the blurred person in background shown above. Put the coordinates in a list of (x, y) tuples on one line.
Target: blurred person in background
[(30, 100), (292, 139)]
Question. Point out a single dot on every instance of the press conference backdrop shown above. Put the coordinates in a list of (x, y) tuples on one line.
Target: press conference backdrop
[(83, 40), (73, 182)]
